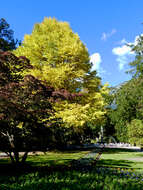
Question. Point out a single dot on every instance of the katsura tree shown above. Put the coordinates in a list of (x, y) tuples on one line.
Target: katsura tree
[(62, 61), (7, 41), (25, 106)]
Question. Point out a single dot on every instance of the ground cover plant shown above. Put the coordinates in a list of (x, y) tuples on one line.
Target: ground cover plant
[(54, 170), (71, 180)]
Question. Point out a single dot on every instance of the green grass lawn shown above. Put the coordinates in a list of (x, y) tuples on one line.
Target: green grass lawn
[(55, 158), (122, 158), (116, 170)]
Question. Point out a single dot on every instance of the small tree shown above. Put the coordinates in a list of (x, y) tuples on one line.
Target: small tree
[(25, 106)]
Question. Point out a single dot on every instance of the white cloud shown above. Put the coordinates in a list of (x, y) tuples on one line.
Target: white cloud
[(96, 60), (108, 35), (124, 53), (122, 50)]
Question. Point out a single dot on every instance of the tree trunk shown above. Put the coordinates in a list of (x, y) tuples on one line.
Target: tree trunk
[(24, 157), (15, 159), (16, 156)]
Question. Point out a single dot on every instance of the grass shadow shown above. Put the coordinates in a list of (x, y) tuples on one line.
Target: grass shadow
[(49, 166), (115, 163), (122, 164)]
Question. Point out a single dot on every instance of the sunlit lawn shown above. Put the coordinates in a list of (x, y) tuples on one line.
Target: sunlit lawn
[(122, 158), (55, 158)]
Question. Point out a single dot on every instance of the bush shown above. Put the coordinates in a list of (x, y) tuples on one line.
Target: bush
[(135, 132)]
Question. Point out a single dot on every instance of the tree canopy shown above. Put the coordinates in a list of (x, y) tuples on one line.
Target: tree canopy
[(59, 57), (128, 101), (137, 65)]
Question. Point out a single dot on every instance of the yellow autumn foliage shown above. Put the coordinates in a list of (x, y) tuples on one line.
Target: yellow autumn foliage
[(62, 61)]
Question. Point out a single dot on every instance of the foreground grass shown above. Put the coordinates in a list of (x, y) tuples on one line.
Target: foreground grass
[(54, 171), (88, 179)]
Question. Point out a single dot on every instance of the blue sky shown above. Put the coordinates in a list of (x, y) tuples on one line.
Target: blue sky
[(105, 26)]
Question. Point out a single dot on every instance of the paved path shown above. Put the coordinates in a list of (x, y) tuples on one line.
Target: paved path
[(112, 145), (4, 155)]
